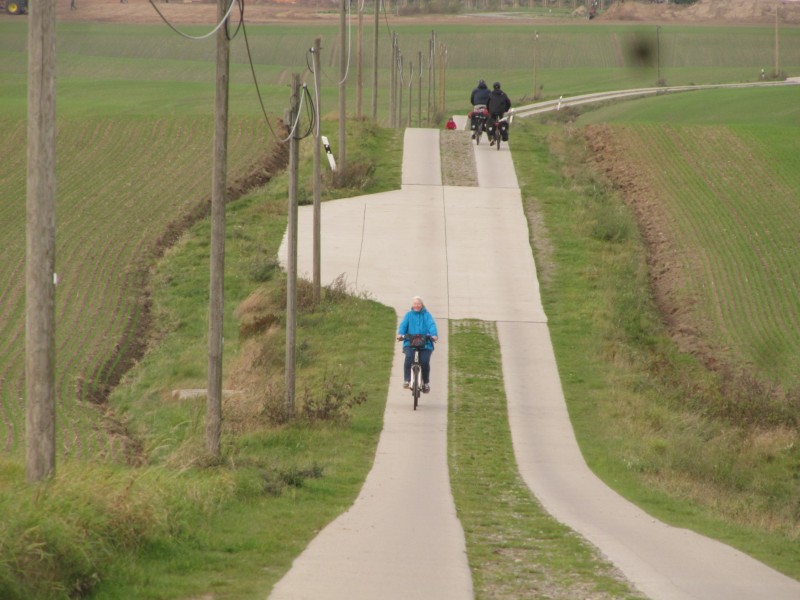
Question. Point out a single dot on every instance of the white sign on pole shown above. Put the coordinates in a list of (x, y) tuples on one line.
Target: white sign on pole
[(328, 152)]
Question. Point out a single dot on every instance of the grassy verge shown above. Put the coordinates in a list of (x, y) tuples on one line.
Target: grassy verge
[(515, 549), (622, 376), (185, 526)]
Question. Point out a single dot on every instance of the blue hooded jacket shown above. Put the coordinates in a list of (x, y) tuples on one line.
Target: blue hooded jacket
[(418, 322)]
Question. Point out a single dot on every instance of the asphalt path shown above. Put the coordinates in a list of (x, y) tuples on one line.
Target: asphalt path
[(466, 251)]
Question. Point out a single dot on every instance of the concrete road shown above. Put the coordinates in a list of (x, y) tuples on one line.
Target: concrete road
[(466, 252)]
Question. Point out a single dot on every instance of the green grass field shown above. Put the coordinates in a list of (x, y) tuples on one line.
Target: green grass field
[(710, 450), (135, 110)]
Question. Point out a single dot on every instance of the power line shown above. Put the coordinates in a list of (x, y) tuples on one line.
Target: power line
[(194, 37)]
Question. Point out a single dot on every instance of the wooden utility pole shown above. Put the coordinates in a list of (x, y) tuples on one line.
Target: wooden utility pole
[(375, 62), (400, 90), (360, 61), (291, 240), (430, 78), (410, 91), (40, 411), (419, 89), (443, 74), (342, 83), (776, 70), (535, 50), (217, 270), (434, 74), (393, 80), (317, 184)]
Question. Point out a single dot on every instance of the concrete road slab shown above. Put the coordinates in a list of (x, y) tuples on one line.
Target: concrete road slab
[(401, 539), (467, 252), (664, 562)]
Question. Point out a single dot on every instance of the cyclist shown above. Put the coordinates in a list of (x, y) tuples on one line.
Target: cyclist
[(478, 99), (418, 321), (480, 95), (497, 104)]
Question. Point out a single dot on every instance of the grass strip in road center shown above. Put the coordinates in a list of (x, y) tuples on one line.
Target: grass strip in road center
[(515, 549)]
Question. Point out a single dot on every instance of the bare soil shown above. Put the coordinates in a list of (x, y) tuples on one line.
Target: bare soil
[(706, 11), (200, 12)]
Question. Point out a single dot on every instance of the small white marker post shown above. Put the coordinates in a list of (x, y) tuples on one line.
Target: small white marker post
[(328, 152)]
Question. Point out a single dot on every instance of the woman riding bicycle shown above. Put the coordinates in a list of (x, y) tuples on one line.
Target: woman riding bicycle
[(418, 321)]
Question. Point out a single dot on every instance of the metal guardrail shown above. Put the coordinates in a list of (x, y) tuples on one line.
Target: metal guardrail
[(549, 105)]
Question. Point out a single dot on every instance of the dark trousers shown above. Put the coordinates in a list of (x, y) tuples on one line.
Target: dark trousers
[(424, 361)]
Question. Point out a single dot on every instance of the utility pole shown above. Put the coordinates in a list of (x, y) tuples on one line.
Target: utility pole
[(342, 83), (430, 77), (317, 185), (776, 71), (359, 58), (217, 270), (434, 75), (419, 88), (410, 90), (443, 71), (40, 411), (535, 49), (400, 90), (375, 62), (658, 55), (291, 239), (393, 81)]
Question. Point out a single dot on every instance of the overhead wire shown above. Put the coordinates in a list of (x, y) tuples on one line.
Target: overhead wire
[(349, 42), (222, 22), (310, 107)]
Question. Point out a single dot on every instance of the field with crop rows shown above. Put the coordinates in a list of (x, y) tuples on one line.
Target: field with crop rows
[(724, 200), (121, 182)]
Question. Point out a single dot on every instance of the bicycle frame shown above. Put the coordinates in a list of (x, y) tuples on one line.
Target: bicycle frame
[(416, 378), (416, 373)]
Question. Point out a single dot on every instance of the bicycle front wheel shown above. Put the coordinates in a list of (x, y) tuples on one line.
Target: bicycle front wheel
[(416, 384)]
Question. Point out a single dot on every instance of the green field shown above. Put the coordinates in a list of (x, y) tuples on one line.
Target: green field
[(725, 169), (135, 121), (711, 449)]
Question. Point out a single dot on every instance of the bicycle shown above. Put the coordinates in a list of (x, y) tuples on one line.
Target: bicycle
[(480, 127), (416, 368), (496, 131), (478, 119)]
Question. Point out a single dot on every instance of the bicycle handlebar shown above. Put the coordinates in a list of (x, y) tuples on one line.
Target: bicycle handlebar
[(408, 336)]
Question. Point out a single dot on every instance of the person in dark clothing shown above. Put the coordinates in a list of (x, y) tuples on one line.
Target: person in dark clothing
[(497, 105), (480, 95), (498, 102)]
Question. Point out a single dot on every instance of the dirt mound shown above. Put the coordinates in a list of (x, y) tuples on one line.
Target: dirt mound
[(707, 11), (183, 12)]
